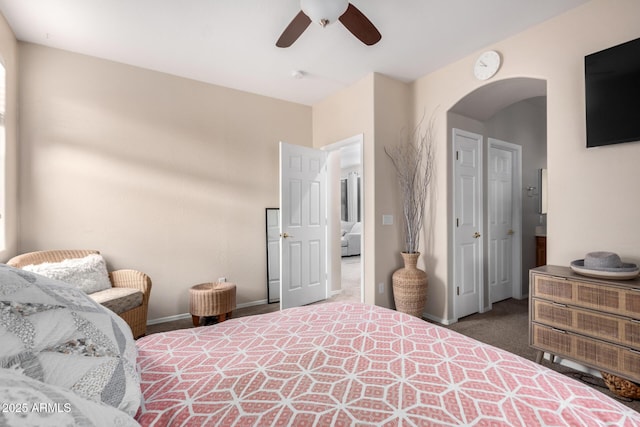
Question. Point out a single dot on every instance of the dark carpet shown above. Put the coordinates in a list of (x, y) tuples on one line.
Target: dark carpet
[(506, 326)]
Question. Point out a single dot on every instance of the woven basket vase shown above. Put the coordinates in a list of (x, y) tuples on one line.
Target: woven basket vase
[(410, 286), (621, 386)]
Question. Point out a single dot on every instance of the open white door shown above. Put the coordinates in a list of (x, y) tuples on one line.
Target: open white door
[(303, 226)]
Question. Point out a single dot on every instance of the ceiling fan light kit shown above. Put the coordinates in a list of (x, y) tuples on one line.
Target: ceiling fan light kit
[(325, 12)]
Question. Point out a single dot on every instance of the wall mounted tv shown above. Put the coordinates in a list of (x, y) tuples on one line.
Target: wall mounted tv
[(612, 91)]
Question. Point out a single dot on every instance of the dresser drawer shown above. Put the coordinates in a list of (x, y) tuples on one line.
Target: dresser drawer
[(592, 352), (615, 329), (610, 299)]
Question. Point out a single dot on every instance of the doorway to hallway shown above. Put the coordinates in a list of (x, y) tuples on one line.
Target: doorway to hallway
[(350, 280)]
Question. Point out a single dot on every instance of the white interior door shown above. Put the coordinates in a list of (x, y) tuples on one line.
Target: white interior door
[(500, 224), (303, 216), (468, 255), (504, 220)]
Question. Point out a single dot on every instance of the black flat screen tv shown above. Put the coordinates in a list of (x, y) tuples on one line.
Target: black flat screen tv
[(612, 92)]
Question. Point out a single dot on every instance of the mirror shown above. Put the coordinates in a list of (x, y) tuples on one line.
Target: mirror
[(273, 254), (542, 184)]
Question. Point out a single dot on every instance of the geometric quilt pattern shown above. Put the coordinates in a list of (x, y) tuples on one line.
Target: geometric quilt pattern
[(353, 364), (54, 333)]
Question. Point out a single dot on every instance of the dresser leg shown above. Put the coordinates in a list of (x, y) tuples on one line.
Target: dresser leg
[(539, 356), (196, 320)]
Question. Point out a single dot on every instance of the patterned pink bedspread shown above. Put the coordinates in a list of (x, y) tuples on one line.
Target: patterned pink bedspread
[(353, 364)]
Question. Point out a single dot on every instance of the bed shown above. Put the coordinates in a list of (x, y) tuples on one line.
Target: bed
[(353, 364), (67, 360)]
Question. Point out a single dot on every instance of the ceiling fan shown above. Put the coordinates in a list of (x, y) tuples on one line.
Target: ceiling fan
[(325, 12)]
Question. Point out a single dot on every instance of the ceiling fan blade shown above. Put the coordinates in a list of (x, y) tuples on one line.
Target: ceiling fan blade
[(295, 28), (360, 26)]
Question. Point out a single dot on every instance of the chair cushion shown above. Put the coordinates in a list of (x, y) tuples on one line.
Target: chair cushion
[(89, 274), (118, 300)]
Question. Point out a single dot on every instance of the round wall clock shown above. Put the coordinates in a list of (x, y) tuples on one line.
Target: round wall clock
[(487, 65)]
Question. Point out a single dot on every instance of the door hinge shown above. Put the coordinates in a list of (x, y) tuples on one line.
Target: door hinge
[(457, 155), (457, 222), (457, 290)]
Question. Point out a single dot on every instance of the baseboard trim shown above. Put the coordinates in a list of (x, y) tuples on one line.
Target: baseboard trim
[(188, 315), (438, 319), (168, 319)]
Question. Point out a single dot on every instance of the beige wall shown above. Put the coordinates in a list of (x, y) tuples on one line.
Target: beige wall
[(341, 116), (172, 176), (162, 174), (377, 107), (9, 58), (591, 202), (392, 115)]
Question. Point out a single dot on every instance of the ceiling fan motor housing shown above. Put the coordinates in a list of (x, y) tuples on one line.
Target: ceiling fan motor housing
[(324, 12)]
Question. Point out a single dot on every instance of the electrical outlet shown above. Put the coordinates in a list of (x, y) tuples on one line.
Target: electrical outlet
[(222, 279), (381, 288)]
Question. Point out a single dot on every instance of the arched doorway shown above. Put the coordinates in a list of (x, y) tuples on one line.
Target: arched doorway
[(511, 111)]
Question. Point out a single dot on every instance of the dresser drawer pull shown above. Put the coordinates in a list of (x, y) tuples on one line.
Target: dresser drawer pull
[(633, 350), (560, 331), (559, 278), (557, 304)]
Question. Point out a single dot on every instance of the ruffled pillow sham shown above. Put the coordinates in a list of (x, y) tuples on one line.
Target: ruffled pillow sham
[(89, 274)]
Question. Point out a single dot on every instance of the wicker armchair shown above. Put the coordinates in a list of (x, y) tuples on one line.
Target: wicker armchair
[(136, 317)]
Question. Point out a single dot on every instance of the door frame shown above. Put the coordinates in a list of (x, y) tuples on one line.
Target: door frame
[(516, 211), (334, 252)]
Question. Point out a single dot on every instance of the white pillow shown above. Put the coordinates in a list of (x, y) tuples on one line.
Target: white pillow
[(89, 274)]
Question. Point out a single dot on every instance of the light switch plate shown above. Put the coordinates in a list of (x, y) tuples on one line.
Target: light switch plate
[(387, 219)]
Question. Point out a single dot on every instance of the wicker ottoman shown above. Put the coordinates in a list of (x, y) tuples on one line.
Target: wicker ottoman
[(212, 299)]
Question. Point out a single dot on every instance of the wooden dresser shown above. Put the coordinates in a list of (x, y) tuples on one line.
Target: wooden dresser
[(594, 322)]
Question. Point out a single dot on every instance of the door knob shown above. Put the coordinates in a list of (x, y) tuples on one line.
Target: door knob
[(476, 235), (510, 232), (285, 235)]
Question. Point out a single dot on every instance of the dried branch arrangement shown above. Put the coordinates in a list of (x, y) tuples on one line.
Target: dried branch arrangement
[(413, 160)]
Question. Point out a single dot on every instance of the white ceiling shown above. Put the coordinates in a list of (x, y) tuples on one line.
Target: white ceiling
[(232, 42)]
